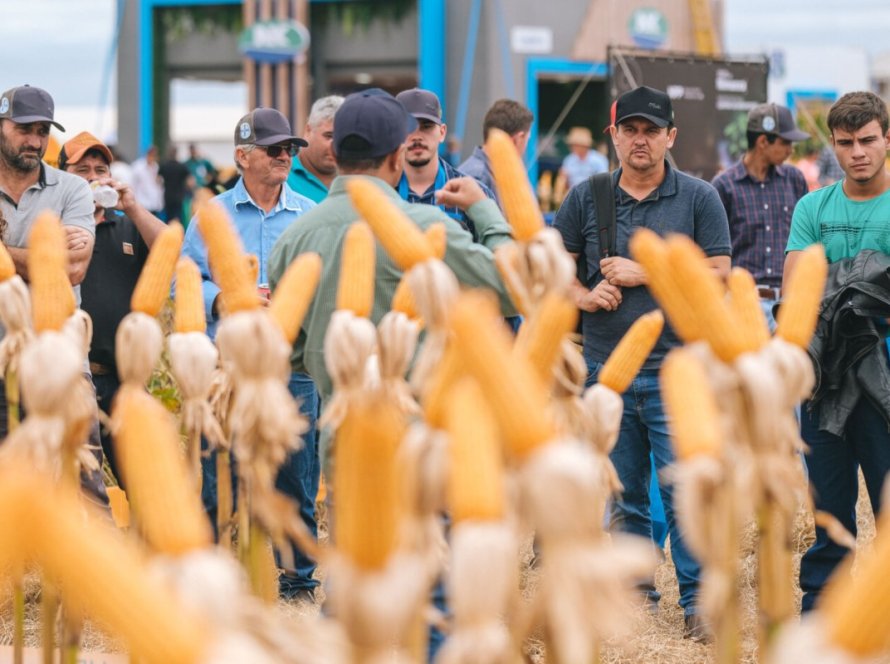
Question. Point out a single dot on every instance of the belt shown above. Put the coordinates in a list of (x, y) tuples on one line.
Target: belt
[(100, 369), (769, 292)]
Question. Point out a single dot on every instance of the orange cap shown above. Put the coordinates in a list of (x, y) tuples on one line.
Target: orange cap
[(74, 149)]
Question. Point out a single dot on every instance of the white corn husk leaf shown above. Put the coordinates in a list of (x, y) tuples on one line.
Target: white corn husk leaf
[(221, 396), (138, 345), (536, 268), (435, 288), (254, 345), (79, 328), (806, 642), (193, 360), (349, 343), (423, 458), (15, 315), (396, 343), (482, 583), (570, 373), (603, 409)]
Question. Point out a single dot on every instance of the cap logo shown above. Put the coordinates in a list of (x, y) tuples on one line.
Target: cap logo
[(652, 104), (244, 131), (4, 105), (769, 123)]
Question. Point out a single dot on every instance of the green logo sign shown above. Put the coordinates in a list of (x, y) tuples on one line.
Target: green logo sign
[(648, 27), (274, 41)]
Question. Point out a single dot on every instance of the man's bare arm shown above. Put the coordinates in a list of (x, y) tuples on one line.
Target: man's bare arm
[(721, 265), (790, 262), (80, 251), (20, 260)]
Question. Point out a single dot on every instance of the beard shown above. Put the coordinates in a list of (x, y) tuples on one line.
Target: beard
[(22, 160), (418, 162)]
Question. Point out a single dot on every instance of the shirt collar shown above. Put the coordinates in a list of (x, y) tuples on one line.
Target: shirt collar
[(738, 172), (442, 176), (668, 186), (289, 199)]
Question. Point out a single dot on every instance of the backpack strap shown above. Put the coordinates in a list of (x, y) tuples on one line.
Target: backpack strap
[(604, 199)]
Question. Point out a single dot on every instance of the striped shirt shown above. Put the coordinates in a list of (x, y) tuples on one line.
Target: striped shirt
[(760, 217)]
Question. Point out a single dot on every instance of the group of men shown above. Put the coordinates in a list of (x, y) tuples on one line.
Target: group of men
[(291, 198)]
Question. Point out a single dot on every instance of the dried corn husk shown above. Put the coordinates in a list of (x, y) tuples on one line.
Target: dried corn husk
[(435, 288), (396, 343), (349, 344)]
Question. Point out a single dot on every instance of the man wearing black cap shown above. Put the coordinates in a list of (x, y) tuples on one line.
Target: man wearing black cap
[(648, 193), (759, 194), (261, 206)]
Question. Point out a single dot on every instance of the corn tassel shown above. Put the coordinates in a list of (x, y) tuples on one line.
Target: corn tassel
[(627, 358), (7, 267), (437, 236), (514, 190), (648, 249), (402, 239), (403, 300), (188, 313), (475, 473), (796, 321), (366, 481), (52, 298), (153, 287), (355, 290), (745, 302), (294, 293), (167, 510), (540, 339), (690, 405), (509, 382), (228, 264)]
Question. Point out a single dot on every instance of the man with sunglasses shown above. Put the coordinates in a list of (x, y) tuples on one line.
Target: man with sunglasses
[(261, 206)]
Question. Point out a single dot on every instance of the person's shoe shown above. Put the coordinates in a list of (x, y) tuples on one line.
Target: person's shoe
[(697, 629)]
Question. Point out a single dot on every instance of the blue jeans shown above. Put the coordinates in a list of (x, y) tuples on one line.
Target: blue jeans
[(832, 462), (767, 306), (644, 431), (297, 478), (107, 386)]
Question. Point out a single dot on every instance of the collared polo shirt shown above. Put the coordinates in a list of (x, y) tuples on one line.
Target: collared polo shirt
[(258, 230), (305, 183), (760, 217), (680, 204), (478, 166)]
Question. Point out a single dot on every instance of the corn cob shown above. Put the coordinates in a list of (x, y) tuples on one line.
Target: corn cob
[(509, 382), (153, 287), (189, 305), (475, 473), (631, 352), (403, 300), (227, 262), (167, 510), (355, 290), (650, 251), (799, 312), (52, 298), (294, 293), (400, 236), (437, 236), (705, 294), (514, 190), (7, 267), (690, 406), (253, 268), (745, 302), (434, 399), (366, 481), (540, 338)]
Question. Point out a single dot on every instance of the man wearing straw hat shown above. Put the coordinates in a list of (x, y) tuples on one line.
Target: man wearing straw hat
[(582, 160)]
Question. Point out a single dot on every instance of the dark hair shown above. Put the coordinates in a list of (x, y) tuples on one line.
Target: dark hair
[(92, 152), (855, 110), (349, 156), (507, 115), (754, 135)]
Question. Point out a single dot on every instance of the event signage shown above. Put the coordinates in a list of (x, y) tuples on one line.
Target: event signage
[(274, 41)]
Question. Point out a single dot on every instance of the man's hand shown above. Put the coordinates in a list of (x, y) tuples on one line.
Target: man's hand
[(460, 193), (603, 296), (77, 238), (622, 271), (127, 199)]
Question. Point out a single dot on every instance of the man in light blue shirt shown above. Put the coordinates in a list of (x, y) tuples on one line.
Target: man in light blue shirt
[(262, 206), (583, 161)]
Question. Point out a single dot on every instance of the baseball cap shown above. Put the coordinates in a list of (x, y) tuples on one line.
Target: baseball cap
[(265, 126), (422, 104), (74, 149), (376, 118), (645, 102), (26, 104), (775, 119)]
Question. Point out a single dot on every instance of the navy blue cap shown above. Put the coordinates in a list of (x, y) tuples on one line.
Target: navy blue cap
[(372, 123), (25, 104)]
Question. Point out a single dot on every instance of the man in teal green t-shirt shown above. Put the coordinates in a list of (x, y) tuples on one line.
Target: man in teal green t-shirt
[(847, 217), (314, 168)]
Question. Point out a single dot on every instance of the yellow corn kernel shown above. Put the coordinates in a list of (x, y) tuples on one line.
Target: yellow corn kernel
[(253, 267), (475, 469), (403, 300), (162, 497), (437, 236), (631, 352), (796, 320), (508, 381), (366, 481), (434, 398), (514, 190), (402, 239), (540, 338), (857, 608), (52, 298), (706, 296), (7, 267), (294, 294), (228, 265), (745, 303), (355, 290), (188, 313), (650, 251), (153, 287), (690, 406)]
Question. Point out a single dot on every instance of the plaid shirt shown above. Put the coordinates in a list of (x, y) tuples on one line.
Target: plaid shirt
[(760, 217)]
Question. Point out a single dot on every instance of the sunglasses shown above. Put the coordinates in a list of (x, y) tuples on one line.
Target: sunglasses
[(274, 151)]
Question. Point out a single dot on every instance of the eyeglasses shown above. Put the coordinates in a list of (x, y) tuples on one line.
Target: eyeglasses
[(274, 151)]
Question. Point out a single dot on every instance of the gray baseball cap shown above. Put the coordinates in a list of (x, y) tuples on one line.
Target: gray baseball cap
[(26, 104), (422, 104), (265, 126), (775, 119)]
